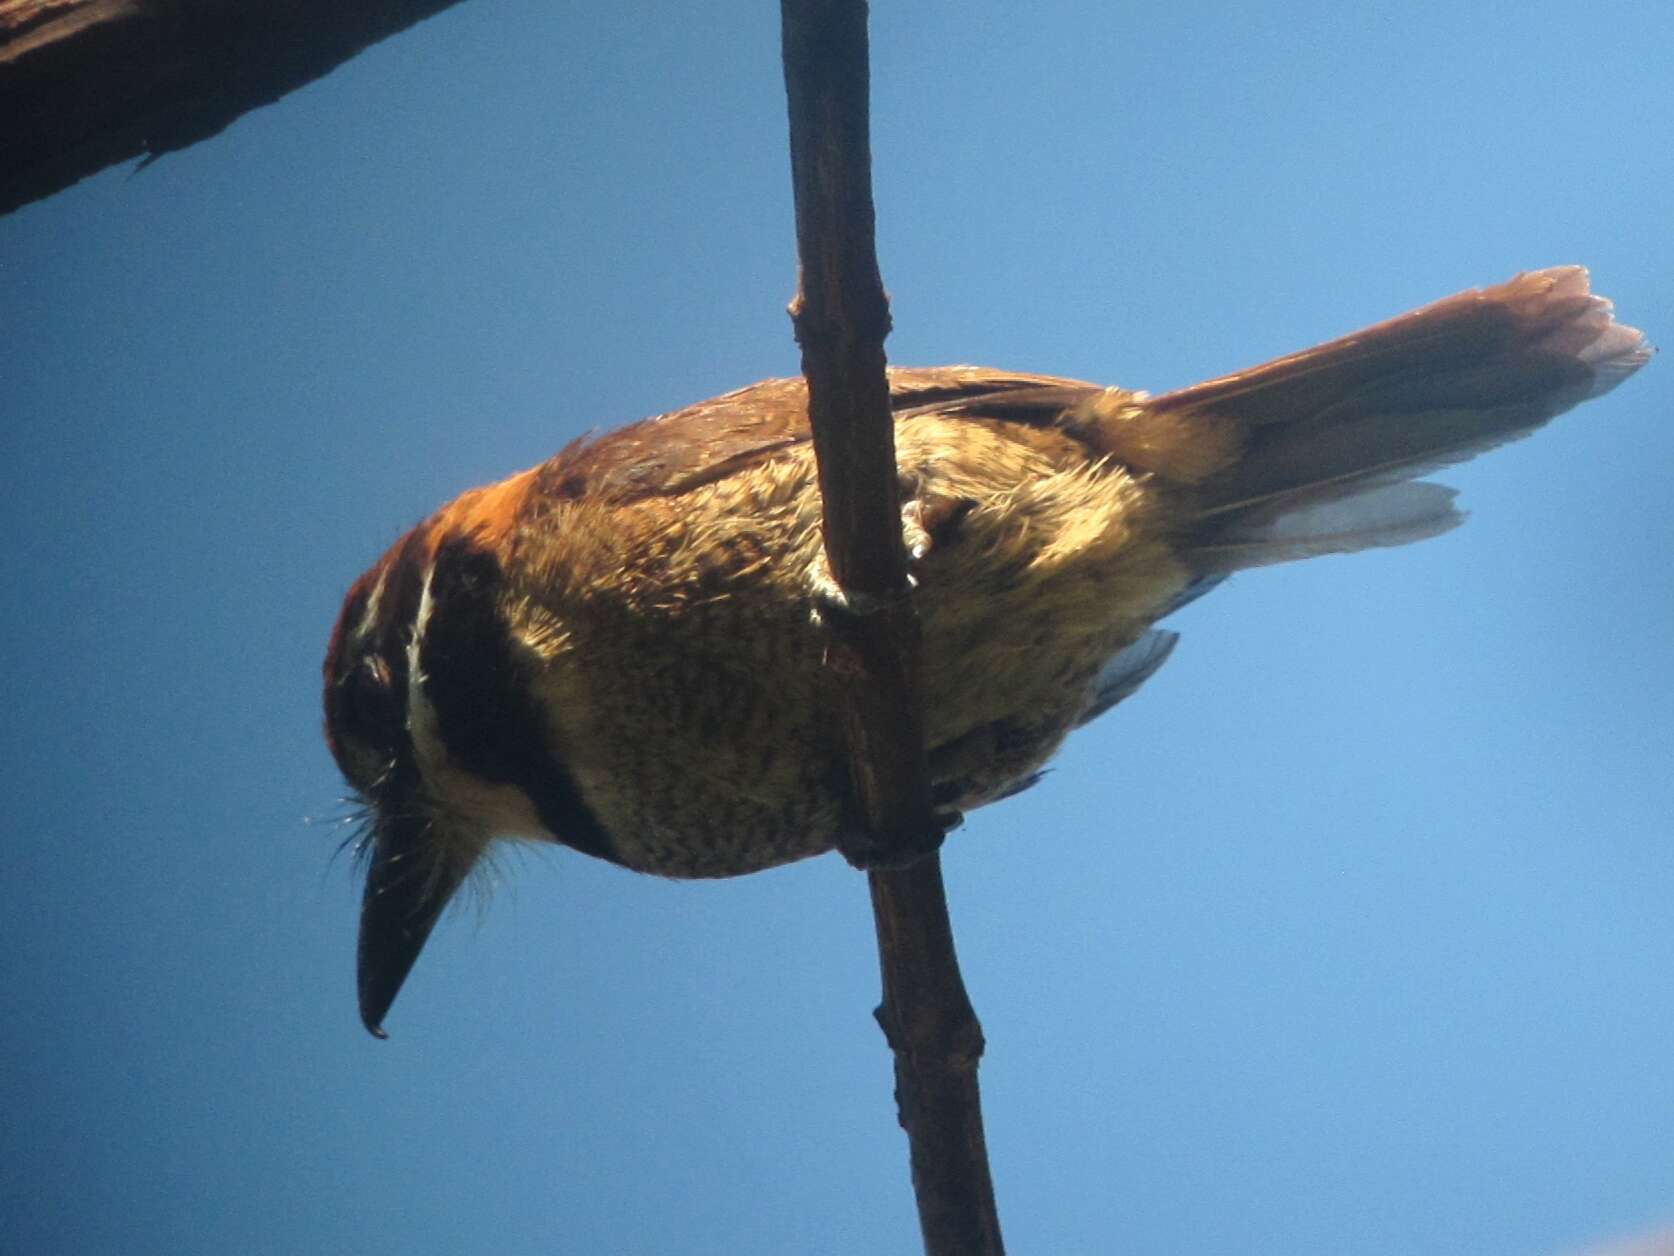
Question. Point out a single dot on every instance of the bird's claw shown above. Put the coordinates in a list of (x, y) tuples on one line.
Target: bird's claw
[(868, 852), (836, 607)]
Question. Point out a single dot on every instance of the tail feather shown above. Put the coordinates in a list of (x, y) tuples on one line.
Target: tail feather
[(1551, 309), (1387, 514), (1327, 438)]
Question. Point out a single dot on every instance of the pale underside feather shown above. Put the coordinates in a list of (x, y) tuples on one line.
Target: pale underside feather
[(1383, 514), (1128, 669)]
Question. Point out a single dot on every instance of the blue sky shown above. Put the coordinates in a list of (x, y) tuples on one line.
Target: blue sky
[(1351, 933)]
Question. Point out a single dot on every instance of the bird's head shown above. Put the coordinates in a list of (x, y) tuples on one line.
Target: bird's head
[(430, 717)]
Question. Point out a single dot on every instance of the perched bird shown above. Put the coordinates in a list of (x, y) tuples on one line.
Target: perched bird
[(620, 649)]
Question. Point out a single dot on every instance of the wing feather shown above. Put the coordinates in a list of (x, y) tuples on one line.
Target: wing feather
[(675, 452)]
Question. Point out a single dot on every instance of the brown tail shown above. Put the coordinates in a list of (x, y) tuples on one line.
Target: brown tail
[(1321, 446)]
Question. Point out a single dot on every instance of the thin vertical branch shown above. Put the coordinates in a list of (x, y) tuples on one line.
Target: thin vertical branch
[(841, 316), (929, 1023)]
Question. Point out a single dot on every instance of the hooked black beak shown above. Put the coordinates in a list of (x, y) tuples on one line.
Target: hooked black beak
[(406, 890)]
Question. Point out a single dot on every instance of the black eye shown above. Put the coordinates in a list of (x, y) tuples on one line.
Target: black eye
[(372, 710)]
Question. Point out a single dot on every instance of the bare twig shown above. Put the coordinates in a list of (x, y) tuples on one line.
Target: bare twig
[(841, 317), (86, 84)]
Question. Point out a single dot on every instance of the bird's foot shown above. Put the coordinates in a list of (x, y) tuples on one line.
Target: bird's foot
[(869, 851), (837, 608)]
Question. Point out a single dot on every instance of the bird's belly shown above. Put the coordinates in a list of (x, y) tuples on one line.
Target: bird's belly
[(702, 729), (715, 762), (698, 736)]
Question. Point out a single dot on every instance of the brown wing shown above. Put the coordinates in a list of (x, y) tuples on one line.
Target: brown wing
[(1430, 387), (675, 452)]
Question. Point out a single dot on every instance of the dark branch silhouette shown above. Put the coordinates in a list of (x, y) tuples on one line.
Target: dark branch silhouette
[(841, 317), (86, 84)]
